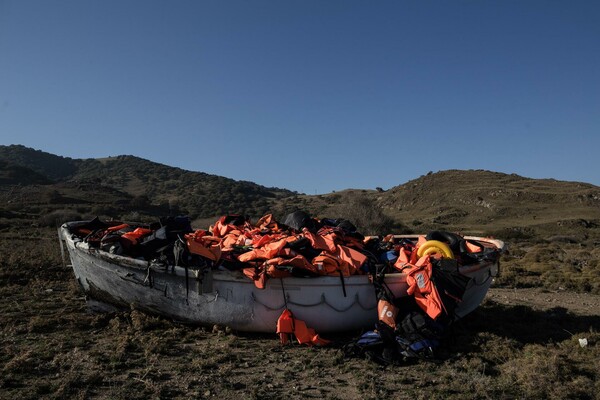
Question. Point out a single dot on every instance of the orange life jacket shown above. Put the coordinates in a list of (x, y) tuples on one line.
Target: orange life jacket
[(353, 257), (136, 235), (387, 313), (421, 287), (319, 241), (297, 261), (268, 223), (353, 242), (288, 325), (222, 228), (258, 274), (472, 248), (269, 250), (233, 238), (200, 243), (327, 264), (261, 240), (403, 259), (273, 272), (406, 257), (116, 228)]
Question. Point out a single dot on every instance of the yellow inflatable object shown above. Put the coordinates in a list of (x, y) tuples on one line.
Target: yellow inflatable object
[(435, 247)]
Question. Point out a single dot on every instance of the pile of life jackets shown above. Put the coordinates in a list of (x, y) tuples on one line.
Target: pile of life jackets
[(154, 241), (301, 246), (413, 326)]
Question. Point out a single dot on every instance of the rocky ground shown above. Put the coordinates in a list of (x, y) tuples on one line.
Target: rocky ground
[(584, 304), (519, 343)]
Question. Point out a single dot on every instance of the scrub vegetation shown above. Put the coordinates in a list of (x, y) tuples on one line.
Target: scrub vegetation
[(535, 336)]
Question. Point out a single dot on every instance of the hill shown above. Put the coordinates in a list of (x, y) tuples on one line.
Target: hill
[(474, 201), (552, 227), (151, 186), (538, 325), (195, 193), (11, 174), (51, 166)]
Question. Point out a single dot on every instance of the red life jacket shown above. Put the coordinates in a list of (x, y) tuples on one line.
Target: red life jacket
[(117, 227)]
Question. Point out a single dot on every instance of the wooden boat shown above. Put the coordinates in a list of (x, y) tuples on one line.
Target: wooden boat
[(228, 298)]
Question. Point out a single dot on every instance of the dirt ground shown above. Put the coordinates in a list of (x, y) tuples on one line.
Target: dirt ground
[(520, 343), (540, 299), (516, 345)]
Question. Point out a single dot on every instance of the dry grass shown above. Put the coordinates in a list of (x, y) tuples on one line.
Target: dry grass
[(52, 348), (552, 265)]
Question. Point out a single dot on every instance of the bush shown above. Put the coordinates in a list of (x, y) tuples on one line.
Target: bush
[(515, 233), (367, 216), (58, 217)]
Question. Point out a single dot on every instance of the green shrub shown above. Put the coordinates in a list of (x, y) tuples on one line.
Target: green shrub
[(58, 217)]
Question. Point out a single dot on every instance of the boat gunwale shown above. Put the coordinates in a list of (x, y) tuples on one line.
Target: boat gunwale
[(237, 276)]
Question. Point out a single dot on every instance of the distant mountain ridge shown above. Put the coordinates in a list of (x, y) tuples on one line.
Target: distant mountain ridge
[(472, 201), (51, 166), (13, 174), (478, 198), (196, 193)]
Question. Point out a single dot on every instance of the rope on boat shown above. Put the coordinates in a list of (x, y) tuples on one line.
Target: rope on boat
[(148, 278), (216, 297), (322, 301), (285, 299)]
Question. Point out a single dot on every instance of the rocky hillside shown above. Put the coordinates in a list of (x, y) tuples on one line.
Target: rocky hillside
[(146, 182), (552, 227), (474, 201), (51, 166), (466, 199), (11, 174)]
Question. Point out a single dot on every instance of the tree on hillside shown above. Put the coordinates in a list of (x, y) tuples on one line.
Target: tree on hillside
[(367, 216)]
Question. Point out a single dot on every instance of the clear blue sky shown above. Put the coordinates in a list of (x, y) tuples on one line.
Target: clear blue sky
[(312, 96)]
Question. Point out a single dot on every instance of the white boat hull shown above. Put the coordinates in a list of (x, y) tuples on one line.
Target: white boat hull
[(230, 299)]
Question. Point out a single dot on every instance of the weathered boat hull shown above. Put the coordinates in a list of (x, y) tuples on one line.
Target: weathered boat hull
[(230, 299)]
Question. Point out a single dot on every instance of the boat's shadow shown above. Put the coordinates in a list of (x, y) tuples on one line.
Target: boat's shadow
[(519, 325), (494, 329)]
